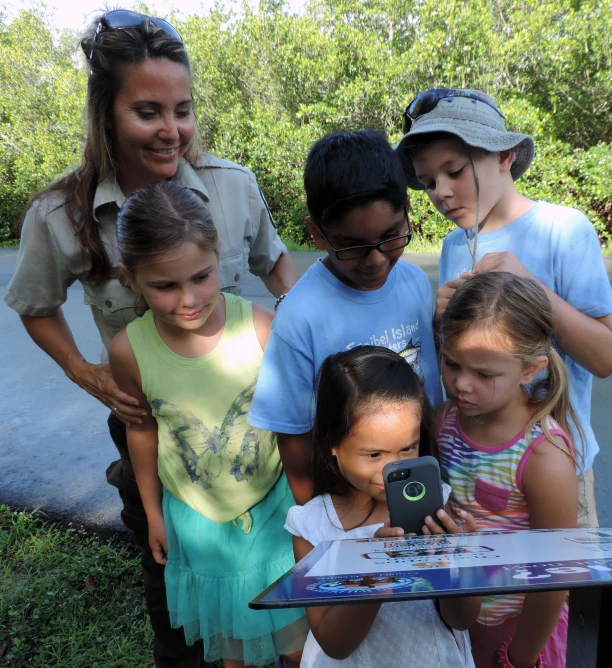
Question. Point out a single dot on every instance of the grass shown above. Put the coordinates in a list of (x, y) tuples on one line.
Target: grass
[(294, 246), (416, 245), (421, 245), (69, 598)]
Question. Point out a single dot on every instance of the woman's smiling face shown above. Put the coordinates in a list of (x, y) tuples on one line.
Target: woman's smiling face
[(153, 122)]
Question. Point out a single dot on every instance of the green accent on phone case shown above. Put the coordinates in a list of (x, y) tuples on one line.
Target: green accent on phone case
[(414, 498)]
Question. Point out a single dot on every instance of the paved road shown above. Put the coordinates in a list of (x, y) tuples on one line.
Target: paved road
[(54, 445)]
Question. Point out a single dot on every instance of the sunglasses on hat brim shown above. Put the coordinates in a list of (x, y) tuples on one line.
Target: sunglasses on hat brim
[(427, 101), (120, 19)]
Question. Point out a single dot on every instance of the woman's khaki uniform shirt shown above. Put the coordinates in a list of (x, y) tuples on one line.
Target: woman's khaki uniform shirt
[(51, 258)]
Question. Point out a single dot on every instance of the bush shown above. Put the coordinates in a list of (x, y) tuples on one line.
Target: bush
[(268, 83)]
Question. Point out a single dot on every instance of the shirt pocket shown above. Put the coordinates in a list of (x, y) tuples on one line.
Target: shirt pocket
[(490, 496), (113, 307), (231, 267)]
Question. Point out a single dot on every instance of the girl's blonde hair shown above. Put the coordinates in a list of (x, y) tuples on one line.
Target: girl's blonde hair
[(516, 307)]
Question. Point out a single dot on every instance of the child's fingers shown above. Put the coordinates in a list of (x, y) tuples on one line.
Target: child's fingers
[(159, 554), (468, 521), (449, 522), (432, 525), (389, 532)]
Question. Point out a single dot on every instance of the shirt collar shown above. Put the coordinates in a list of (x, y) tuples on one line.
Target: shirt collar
[(108, 190)]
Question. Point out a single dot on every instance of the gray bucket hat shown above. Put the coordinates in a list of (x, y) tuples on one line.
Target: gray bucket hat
[(477, 123)]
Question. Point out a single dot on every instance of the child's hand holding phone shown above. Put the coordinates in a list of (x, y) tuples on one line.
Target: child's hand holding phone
[(387, 531), (458, 522)]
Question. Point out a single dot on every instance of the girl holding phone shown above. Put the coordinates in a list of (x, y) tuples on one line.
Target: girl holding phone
[(372, 410)]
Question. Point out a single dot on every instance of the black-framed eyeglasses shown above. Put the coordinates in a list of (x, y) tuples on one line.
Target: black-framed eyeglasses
[(360, 252), (427, 101), (119, 19)]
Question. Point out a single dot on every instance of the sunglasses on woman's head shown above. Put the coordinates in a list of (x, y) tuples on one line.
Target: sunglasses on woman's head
[(428, 101), (120, 19)]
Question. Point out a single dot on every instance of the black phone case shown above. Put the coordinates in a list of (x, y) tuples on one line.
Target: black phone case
[(407, 509)]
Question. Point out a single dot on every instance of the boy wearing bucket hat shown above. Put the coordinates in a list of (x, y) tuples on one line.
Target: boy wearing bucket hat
[(456, 148)]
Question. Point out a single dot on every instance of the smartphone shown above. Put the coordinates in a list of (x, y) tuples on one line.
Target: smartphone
[(414, 490)]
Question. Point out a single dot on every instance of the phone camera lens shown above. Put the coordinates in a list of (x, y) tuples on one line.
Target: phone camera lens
[(414, 491)]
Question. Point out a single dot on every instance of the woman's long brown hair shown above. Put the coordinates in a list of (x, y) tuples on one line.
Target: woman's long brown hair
[(106, 56)]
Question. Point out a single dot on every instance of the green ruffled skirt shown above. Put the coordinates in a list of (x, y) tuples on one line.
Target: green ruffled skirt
[(214, 570)]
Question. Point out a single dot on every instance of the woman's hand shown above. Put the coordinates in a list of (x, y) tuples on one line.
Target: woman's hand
[(96, 379), (157, 539), (459, 522)]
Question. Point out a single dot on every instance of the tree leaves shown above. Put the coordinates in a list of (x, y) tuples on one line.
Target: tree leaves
[(268, 83)]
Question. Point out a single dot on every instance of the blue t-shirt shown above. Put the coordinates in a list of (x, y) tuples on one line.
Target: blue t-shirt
[(320, 316), (559, 246)]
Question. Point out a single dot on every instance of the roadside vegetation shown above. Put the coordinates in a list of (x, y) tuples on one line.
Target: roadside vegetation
[(69, 598), (268, 83)]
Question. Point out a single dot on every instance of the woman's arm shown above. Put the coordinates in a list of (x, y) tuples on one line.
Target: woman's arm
[(549, 484), (53, 335), (142, 441), (339, 629), (282, 277)]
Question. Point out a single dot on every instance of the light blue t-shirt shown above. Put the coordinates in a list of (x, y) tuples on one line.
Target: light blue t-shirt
[(559, 246), (320, 316)]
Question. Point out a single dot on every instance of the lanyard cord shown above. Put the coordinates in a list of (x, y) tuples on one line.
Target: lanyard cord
[(472, 248)]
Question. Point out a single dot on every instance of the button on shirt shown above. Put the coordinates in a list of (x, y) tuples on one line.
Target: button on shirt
[(51, 258)]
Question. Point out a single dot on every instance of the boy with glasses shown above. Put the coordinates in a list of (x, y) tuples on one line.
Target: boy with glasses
[(357, 294), (456, 148)]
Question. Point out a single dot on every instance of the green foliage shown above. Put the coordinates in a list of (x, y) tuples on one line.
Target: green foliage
[(268, 83), (69, 599), (41, 102)]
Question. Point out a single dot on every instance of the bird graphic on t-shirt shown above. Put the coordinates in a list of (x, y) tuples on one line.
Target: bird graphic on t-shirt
[(412, 354)]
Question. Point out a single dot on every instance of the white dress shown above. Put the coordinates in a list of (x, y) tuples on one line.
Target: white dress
[(410, 634)]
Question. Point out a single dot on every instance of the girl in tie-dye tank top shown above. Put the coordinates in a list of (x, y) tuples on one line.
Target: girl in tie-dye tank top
[(506, 445)]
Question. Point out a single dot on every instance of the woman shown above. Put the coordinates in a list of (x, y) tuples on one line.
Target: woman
[(141, 129)]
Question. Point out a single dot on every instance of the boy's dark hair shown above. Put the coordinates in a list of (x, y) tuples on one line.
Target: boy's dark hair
[(349, 385), (348, 169)]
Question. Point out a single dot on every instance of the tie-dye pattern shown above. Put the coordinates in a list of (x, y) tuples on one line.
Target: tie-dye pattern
[(487, 482)]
